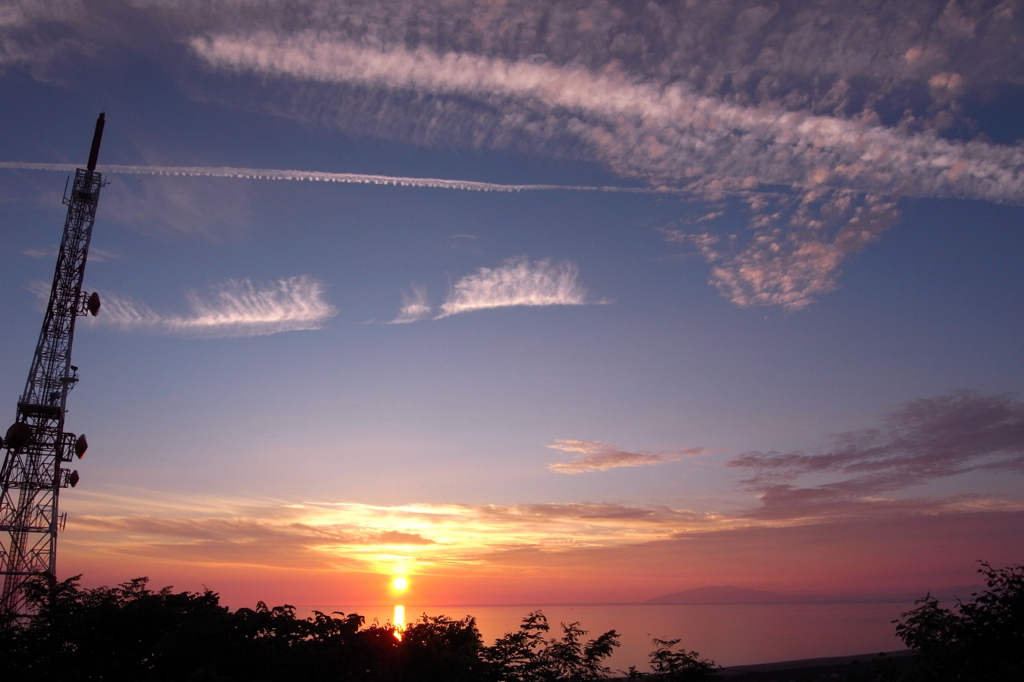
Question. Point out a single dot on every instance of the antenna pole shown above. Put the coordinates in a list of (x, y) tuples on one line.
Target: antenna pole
[(97, 137), (36, 444)]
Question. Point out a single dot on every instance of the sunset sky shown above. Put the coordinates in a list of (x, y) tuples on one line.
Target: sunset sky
[(722, 293)]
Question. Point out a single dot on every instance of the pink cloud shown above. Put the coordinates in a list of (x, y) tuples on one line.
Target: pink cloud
[(916, 442), (598, 456)]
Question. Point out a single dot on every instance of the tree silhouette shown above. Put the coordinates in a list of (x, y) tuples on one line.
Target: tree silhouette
[(981, 640), (438, 648), (527, 655), (131, 633), (681, 665)]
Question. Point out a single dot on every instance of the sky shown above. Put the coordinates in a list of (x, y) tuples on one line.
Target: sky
[(528, 301)]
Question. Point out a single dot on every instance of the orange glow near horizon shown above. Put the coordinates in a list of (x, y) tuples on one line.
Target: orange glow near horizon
[(348, 553)]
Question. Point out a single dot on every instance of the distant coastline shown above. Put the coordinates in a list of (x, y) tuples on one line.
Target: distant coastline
[(724, 595)]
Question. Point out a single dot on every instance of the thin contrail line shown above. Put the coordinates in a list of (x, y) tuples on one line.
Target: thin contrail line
[(316, 176)]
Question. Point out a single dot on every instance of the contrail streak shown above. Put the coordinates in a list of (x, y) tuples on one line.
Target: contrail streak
[(316, 176)]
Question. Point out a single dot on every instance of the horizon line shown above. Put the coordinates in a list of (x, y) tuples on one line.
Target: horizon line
[(825, 601)]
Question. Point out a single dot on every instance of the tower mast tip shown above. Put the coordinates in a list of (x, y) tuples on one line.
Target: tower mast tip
[(97, 136)]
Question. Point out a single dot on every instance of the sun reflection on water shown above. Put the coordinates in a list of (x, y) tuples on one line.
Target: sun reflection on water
[(399, 620)]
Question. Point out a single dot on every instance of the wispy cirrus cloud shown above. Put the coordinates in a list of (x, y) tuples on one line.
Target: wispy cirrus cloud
[(415, 306), (24, 39), (516, 282), (95, 254), (40, 290), (917, 442), (235, 308), (212, 210), (764, 146), (798, 108), (844, 171), (40, 252), (592, 455)]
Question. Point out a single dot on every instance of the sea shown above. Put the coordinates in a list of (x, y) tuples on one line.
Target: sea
[(735, 634)]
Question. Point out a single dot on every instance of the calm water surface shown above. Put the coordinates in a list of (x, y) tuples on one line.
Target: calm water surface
[(730, 635)]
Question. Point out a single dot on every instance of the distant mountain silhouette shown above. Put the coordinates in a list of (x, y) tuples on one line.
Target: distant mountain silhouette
[(731, 594)]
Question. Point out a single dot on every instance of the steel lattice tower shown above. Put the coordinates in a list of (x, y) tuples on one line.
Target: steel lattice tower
[(36, 443)]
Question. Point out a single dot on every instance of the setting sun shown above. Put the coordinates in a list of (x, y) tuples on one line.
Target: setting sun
[(399, 584)]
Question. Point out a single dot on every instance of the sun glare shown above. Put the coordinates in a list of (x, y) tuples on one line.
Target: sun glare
[(399, 584)]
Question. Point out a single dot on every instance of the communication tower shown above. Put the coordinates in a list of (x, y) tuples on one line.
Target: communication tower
[(36, 443)]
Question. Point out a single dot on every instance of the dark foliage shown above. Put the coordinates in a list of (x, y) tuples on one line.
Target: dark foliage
[(528, 655), (439, 649), (681, 665), (980, 640), (130, 633)]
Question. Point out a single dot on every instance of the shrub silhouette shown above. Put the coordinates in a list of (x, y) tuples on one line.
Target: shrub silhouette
[(679, 666), (527, 655), (981, 640), (441, 649)]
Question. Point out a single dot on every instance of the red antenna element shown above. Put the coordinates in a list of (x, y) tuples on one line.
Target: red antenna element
[(36, 444)]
